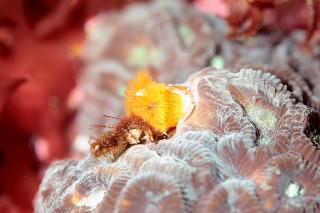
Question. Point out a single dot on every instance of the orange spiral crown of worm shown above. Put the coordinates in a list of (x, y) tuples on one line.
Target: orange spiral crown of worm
[(158, 104)]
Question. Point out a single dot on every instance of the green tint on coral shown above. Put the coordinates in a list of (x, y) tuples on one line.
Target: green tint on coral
[(263, 118), (141, 55), (294, 189), (138, 56), (121, 90), (217, 62), (187, 35)]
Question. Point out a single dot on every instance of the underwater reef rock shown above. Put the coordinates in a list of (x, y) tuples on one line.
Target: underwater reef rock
[(167, 36), (248, 146)]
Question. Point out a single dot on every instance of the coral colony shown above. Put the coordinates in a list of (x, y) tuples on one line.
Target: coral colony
[(246, 141), (240, 133)]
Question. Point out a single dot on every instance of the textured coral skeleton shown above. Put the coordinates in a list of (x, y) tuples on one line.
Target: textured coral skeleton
[(247, 137)]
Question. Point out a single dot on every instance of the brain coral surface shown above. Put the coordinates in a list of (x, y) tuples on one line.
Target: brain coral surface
[(247, 146)]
